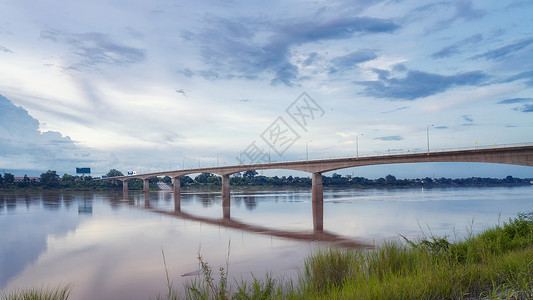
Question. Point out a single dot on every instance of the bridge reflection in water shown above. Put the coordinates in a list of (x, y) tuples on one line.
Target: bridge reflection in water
[(317, 234), (514, 155)]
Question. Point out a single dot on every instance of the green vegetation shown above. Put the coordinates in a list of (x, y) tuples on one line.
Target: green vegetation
[(495, 264), (249, 179), (50, 180), (61, 293)]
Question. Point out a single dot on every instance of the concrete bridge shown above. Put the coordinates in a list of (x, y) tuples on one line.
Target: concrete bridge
[(514, 155)]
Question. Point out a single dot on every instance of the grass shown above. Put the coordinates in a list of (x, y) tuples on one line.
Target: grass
[(495, 264), (39, 293)]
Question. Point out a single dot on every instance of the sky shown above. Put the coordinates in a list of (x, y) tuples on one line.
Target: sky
[(158, 85)]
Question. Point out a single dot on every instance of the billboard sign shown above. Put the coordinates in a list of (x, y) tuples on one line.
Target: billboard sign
[(132, 173), (83, 170)]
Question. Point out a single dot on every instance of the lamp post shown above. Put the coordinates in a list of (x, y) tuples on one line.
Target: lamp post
[(307, 150), (357, 145), (217, 158), (427, 133)]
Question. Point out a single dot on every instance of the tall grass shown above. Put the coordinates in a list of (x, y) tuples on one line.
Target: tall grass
[(37, 293), (497, 263)]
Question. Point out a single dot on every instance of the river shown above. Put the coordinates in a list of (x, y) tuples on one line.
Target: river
[(108, 246)]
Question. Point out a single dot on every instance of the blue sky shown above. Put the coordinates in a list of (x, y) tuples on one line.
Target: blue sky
[(153, 85)]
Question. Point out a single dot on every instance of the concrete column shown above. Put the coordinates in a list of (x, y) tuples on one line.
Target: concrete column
[(317, 199), (226, 197), (177, 195), (125, 186), (146, 185), (146, 199), (318, 216), (317, 190)]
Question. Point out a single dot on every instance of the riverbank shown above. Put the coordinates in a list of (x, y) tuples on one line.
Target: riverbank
[(495, 264)]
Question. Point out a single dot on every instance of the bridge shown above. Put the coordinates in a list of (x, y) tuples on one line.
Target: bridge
[(514, 155)]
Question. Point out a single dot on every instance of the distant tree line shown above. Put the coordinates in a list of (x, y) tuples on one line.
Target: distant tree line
[(250, 179), (51, 180)]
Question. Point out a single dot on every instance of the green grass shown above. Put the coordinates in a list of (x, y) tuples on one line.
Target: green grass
[(495, 264), (40, 293)]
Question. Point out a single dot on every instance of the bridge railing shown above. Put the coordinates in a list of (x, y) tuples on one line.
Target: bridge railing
[(375, 154), (402, 152)]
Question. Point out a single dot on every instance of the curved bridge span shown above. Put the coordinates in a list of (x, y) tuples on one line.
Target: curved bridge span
[(514, 155)]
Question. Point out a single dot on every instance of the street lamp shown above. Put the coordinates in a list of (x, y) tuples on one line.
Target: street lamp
[(307, 150), (217, 158), (427, 133), (357, 145)]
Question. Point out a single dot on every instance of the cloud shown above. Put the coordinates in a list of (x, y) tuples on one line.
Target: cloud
[(463, 11), (352, 59), (520, 76), (417, 84), (525, 108), (515, 100), (468, 118), (504, 51), (248, 48), (455, 48), (390, 138), (395, 110), (92, 49), (4, 49), (25, 147)]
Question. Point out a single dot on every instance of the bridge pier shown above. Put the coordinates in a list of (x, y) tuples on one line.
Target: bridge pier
[(146, 185), (317, 190), (317, 199), (146, 199), (226, 197), (125, 186), (318, 216), (177, 195)]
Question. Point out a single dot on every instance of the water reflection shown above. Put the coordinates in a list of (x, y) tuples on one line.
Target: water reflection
[(108, 244), (24, 232), (318, 234)]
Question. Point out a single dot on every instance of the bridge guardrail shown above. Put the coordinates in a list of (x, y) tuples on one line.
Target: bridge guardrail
[(409, 152)]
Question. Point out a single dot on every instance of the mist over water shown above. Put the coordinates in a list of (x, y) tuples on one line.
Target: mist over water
[(110, 246)]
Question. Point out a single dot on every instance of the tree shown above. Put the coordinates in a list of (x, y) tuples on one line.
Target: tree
[(67, 178), (202, 178), (50, 179), (390, 179), (114, 173), (167, 180), (184, 180), (1, 180), (9, 178), (249, 174)]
